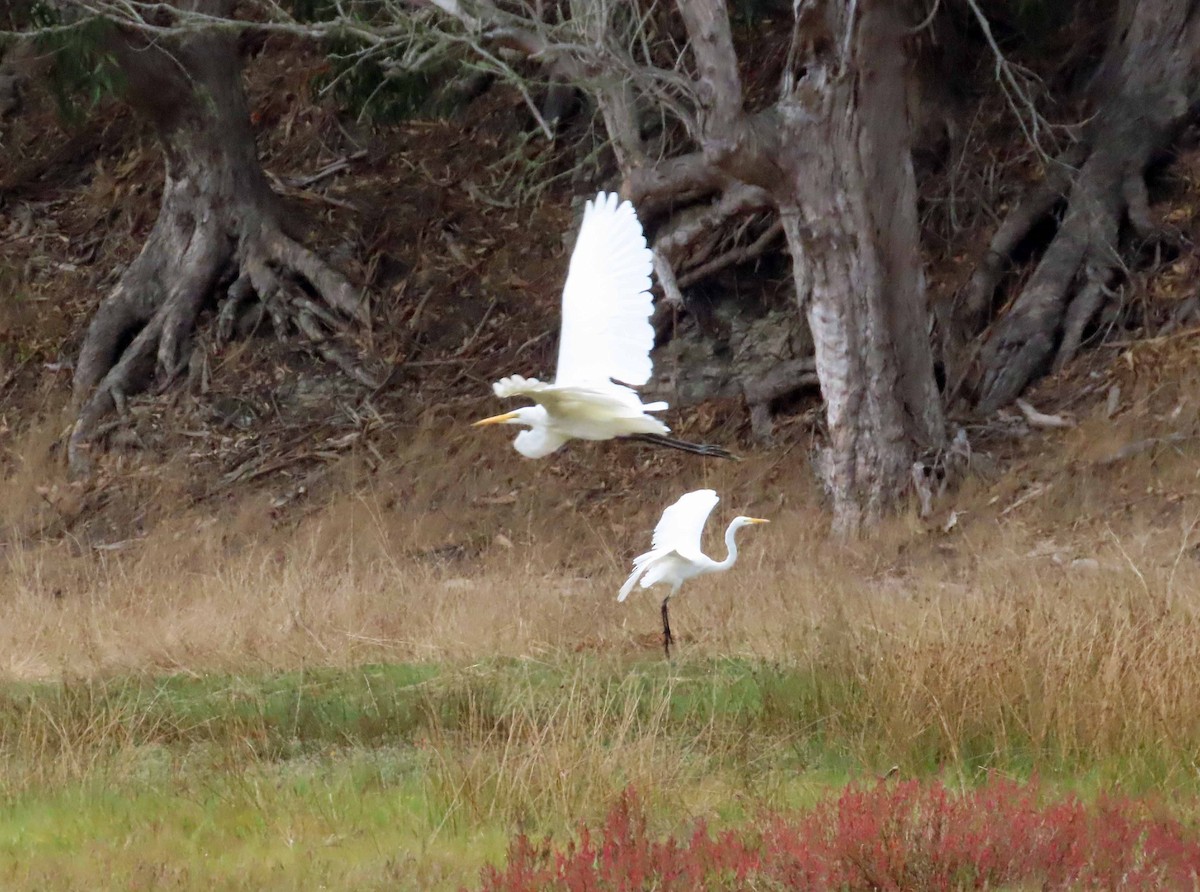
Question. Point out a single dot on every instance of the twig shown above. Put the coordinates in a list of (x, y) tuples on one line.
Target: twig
[(309, 195), (327, 171), (469, 342), (928, 19), (1011, 87), (1042, 420), (1038, 489)]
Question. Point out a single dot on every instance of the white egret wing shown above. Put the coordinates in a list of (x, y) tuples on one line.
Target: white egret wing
[(682, 524), (606, 303), (597, 402), (517, 385)]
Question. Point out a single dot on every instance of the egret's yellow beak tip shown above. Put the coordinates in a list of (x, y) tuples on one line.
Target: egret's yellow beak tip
[(758, 520), (495, 419)]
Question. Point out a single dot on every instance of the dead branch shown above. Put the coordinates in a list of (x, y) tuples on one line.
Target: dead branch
[(690, 227), (734, 257), (1014, 83), (1137, 447), (334, 167), (1041, 419)]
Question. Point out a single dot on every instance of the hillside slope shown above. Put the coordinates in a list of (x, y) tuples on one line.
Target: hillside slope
[(269, 511)]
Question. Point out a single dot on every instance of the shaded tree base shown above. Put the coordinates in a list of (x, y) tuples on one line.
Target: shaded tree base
[(1146, 88), (218, 231), (245, 255)]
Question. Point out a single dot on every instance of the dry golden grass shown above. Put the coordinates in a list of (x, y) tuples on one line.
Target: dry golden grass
[(1064, 625), (1054, 629)]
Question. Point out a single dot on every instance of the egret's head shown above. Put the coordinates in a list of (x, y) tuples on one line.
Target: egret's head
[(527, 415), (537, 442), (743, 521)]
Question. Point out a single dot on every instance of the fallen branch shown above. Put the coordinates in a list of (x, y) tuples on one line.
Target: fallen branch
[(1040, 419), (1137, 447), (325, 172)]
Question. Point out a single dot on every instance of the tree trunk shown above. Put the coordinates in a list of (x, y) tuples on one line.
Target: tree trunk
[(1146, 87), (218, 227), (833, 158), (849, 214), (834, 154)]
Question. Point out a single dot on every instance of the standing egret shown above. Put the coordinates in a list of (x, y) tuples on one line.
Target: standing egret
[(675, 556), (605, 335)]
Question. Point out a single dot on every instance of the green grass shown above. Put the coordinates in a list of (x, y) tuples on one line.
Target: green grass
[(349, 819), (414, 776)]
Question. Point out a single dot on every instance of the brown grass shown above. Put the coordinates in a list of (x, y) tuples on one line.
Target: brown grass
[(1063, 625)]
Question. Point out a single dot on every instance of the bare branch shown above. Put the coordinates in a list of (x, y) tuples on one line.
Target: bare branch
[(693, 226), (707, 25), (1016, 92), (733, 257)]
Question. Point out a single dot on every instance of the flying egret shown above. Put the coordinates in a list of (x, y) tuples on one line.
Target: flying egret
[(675, 556), (605, 334)]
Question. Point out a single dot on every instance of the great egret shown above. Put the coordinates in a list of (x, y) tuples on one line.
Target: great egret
[(605, 334), (675, 556)]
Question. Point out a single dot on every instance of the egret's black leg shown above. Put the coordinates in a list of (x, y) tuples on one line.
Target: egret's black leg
[(667, 639), (684, 445)]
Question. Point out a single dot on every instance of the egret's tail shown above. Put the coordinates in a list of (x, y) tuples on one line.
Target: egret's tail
[(638, 570), (685, 446)]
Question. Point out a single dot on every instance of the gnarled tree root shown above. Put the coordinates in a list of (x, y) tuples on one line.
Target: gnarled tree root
[(1147, 87), (1045, 325), (300, 293), (218, 229)]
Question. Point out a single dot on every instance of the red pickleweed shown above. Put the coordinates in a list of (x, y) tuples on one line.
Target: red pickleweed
[(891, 836)]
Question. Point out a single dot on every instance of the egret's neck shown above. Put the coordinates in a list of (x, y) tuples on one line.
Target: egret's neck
[(731, 544)]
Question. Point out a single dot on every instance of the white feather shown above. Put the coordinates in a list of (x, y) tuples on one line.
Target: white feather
[(516, 385), (682, 524), (606, 303), (605, 339), (675, 555)]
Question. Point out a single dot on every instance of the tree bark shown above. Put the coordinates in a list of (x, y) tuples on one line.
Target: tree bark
[(850, 216), (832, 157), (834, 154), (1145, 89), (218, 227)]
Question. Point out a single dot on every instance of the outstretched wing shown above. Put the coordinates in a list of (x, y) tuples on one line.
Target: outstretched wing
[(598, 402), (683, 523), (518, 385), (606, 303)]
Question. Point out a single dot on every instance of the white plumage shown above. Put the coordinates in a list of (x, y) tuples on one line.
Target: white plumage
[(606, 303), (605, 335), (675, 554)]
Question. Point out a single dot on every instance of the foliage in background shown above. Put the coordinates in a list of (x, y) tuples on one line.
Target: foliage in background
[(385, 85), (84, 72), (383, 90)]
